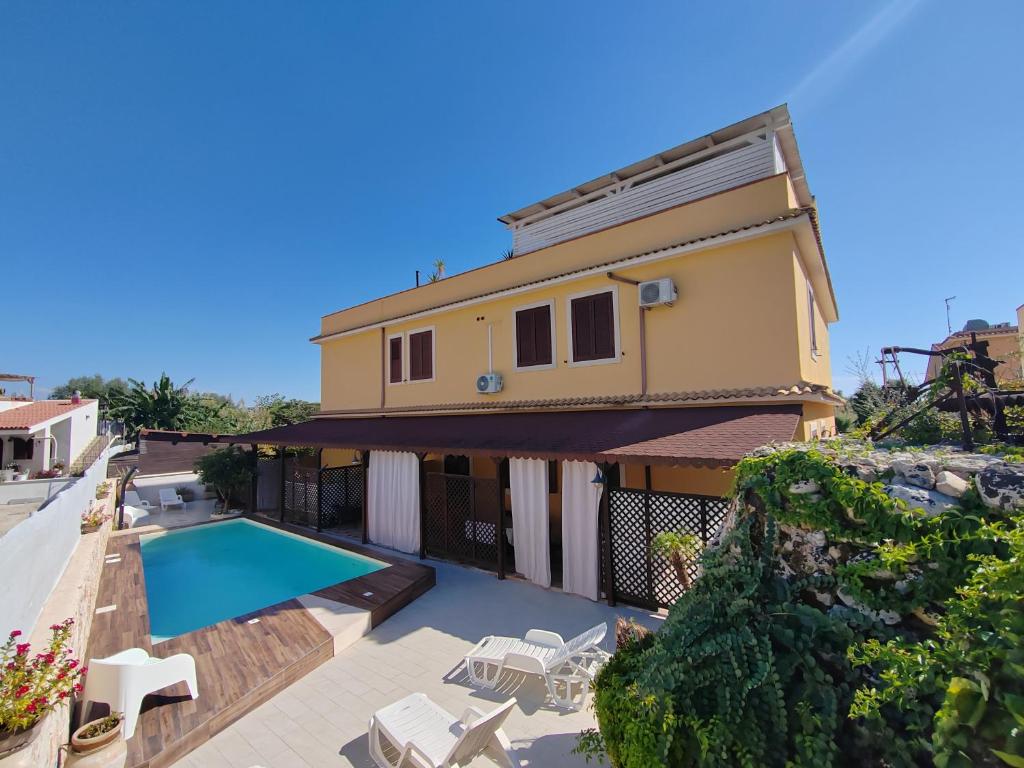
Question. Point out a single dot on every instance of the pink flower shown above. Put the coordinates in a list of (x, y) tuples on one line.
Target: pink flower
[(15, 633), (21, 692), (63, 694), (50, 658), (73, 663), (31, 708), (78, 687), (22, 648), (55, 627)]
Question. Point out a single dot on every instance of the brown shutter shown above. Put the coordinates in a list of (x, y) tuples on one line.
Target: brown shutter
[(395, 357), (526, 351), (593, 327), (421, 364), (542, 335), (604, 326)]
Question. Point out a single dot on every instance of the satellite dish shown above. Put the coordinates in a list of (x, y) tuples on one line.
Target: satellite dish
[(976, 325)]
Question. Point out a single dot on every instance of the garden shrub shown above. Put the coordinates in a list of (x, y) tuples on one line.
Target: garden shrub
[(755, 667)]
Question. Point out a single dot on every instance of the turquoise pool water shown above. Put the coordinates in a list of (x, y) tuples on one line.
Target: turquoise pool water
[(202, 575)]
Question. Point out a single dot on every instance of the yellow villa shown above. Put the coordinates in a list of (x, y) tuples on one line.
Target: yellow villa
[(548, 414)]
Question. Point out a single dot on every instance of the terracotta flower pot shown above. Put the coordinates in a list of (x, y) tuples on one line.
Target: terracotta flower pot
[(90, 528), (82, 744), (12, 741)]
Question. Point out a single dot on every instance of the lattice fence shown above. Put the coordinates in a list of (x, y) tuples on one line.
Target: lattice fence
[(637, 516), (300, 494), (341, 496), (462, 518)]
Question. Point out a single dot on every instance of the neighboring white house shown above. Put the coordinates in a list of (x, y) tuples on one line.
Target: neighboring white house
[(35, 435)]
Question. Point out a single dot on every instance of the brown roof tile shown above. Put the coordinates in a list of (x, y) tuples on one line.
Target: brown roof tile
[(28, 416)]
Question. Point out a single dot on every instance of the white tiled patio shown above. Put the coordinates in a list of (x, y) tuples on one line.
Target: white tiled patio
[(322, 719)]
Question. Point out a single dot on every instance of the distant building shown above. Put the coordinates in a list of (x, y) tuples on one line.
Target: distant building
[(1005, 344), (35, 435)]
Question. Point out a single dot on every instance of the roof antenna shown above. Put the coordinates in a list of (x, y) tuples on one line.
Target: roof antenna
[(949, 325)]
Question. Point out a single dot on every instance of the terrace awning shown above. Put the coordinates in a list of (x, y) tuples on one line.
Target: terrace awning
[(708, 436)]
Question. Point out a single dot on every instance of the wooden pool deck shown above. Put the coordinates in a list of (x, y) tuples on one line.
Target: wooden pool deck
[(239, 665)]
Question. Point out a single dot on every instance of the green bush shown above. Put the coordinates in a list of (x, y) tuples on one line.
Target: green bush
[(754, 668)]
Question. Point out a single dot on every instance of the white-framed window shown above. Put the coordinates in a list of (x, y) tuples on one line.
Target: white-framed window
[(593, 323), (811, 323), (533, 336), (420, 354)]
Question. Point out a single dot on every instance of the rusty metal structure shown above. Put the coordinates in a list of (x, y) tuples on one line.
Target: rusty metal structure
[(970, 359)]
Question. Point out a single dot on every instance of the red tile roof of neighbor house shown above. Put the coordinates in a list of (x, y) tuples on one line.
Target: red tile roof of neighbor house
[(28, 416), (716, 436)]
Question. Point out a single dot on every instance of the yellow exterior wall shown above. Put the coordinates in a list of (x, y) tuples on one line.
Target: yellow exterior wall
[(737, 207), (709, 482), (815, 368), (339, 457), (1005, 347), (735, 325), (818, 421)]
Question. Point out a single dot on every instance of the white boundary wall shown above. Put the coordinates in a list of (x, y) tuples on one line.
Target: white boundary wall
[(36, 551)]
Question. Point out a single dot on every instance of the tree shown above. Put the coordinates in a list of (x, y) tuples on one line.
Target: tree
[(281, 411), (93, 387), (228, 470), (162, 406)]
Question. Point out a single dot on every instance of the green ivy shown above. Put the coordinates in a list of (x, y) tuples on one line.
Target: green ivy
[(751, 668)]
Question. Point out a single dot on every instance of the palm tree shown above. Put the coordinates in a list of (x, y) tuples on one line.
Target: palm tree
[(438, 271), (162, 406)]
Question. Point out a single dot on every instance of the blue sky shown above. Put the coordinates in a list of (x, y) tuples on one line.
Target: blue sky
[(189, 186)]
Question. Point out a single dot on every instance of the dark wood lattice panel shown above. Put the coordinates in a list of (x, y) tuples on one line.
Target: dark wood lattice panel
[(462, 518), (300, 495), (637, 516), (341, 496)]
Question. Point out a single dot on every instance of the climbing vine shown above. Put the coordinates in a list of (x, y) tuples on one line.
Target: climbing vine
[(903, 647)]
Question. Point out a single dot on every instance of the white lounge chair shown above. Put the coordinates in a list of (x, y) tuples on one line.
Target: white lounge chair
[(132, 499), (417, 732), (567, 667), (170, 498), (122, 680)]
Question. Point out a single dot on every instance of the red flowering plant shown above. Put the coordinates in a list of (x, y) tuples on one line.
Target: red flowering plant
[(32, 685), (95, 517)]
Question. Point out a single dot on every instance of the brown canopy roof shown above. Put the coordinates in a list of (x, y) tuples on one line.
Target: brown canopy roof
[(711, 436)]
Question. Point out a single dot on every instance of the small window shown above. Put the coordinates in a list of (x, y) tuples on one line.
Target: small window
[(23, 448), (395, 359), (533, 336), (593, 327), (810, 320), (421, 355)]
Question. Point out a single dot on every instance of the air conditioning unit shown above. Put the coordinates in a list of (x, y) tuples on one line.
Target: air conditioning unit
[(488, 383), (656, 292)]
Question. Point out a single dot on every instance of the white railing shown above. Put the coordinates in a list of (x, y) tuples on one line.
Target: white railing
[(739, 166), (35, 552)]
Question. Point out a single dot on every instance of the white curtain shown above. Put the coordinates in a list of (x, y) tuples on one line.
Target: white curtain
[(528, 482), (393, 496), (581, 500)]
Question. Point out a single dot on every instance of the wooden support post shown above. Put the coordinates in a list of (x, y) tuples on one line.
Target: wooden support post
[(648, 559), (500, 525), (254, 487), (319, 490), (423, 504), (365, 461), (280, 500), (965, 424), (606, 526)]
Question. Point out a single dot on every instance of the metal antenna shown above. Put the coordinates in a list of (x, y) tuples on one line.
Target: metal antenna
[(949, 325)]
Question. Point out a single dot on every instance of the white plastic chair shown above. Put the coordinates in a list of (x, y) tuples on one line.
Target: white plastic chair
[(170, 498), (132, 498), (122, 680), (567, 667), (417, 732)]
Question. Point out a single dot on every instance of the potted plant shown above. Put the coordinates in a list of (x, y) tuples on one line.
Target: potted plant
[(93, 518), (97, 734), (7, 473), (32, 686), (186, 492), (680, 549)]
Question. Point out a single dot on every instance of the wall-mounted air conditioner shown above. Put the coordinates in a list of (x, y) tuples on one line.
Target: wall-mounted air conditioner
[(654, 293), (488, 383)]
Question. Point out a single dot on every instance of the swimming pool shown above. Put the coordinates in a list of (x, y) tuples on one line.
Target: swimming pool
[(206, 574)]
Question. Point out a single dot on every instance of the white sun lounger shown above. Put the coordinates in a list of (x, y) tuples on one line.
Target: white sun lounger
[(132, 498), (417, 732), (567, 667), (170, 498)]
